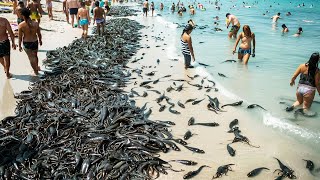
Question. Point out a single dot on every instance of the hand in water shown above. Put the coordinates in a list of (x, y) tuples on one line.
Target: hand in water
[(292, 83)]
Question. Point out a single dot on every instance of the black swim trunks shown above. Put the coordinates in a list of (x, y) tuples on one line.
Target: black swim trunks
[(4, 48), (73, 11), (145, 10), (31, 45)]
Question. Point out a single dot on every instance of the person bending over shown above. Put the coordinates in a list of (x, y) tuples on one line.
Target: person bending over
[(284, 28), (308, 84), (244, 50), (235, 25)]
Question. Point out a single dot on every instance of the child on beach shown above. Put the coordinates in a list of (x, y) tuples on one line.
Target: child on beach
[(186, 43), (99, 17), (83, 19), (308, 84), (30, 35), (6, 29), (244, 50)]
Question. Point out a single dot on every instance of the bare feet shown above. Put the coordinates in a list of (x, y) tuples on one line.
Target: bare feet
[(9, 75)]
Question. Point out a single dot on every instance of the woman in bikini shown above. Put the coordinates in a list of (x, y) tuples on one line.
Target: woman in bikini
[(35, 9), (308, 84), (29, 34), (244, 50)]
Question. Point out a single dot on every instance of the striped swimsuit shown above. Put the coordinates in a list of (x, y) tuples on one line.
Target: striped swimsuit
[(185, 48)]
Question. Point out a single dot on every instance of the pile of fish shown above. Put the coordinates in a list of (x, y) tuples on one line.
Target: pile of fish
[(120, 11), (76, 122)]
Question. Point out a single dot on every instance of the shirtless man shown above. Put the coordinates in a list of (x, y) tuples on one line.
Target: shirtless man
[(73, 6), (99, 17), (192, 11), (35, 10), (275, 17), (49, 8), (29, 34), (83, 19), (65, 10), (145, 8), (5, 28), (235, 25), (18, 13)]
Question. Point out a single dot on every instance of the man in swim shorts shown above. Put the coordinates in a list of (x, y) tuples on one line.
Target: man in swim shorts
[(145, 8), (99, 17), (18, 13), (83, 19), (5, 28), (73, 6), (235, 25), (35, 9), (275, 17), (30, 36)]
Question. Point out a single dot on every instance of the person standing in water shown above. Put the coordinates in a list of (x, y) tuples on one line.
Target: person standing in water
[(5, 29), (284, 28), (30, 35), (99, 16), (152, 7), (235, 25), (186, 43), (308, 84), (35, 10), (83, 19), (49, 8), (299, 32), (73, 6), (145, 8), (275, 17), (244, 50), (161, 6)]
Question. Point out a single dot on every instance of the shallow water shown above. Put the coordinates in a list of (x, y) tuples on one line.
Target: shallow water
[(265, 80)]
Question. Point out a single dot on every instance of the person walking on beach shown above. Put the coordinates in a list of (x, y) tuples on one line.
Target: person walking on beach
[(5, 29), (145, 8), (18, 12), (186, 43), (275, 17), (35, 10), (30, 35), (284, 28), (73, 6), (235, 25), (49, 8), (83, 19), (65, 10), (244, 50), (99, 17), (308, 84), (152, 7)]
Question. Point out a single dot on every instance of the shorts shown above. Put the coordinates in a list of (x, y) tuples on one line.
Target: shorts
[(31, 45), (19, 20), (235, 28), (187, 59), (244, 51), (49, 5), (73, 11), (100, 21), (145, 10), (4, 48), (34, 16), (83, 22), (305, 89)]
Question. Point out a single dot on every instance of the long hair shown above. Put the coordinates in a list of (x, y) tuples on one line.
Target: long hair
[(25, 12), (312, 67), (247, 30), (187, 28)]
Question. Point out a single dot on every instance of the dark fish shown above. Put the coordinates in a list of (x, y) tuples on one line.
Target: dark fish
[(251, 106), (222, 75), (145, 82), (158, 61), (191, 121), (195, 76), (229, 60), (181, 105), (192, 174), (232, 124), (231, 151), (180, 80), (173, 111), (156, 91), (192, 78), (169, 89), (166, 122), (187, 135), (152, 73), (190, 100), (145, 94), (214, 124), (309, 165), (202, 64), (156, 81), (196, 150), (179, 88), (185, 162), (166, 76), (256, 171), (135, 92), (147, 86), (162, 108), (212, 82), (197, 102), (195, 85), (180, 141), (202, 80), (233, 104), (201, 42)]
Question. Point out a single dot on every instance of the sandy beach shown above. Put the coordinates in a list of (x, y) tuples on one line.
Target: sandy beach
[(159, 54)]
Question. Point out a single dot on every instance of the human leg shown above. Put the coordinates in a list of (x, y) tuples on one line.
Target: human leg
[(307, 100), (246, 58), (72, 20), (33, 58), (98, 28), (240, 56)]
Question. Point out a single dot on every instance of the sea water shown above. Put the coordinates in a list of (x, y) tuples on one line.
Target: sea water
[(265, 81)]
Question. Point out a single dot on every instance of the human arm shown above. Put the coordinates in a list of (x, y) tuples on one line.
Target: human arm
[(254, 43), (39, 9), (20, 37), (39, 35), (296, 73), (237, 42), (317, 79), (9, 29), (191, 48), (228, 22)]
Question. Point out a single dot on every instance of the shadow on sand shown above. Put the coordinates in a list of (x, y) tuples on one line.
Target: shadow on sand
[(26, 78)]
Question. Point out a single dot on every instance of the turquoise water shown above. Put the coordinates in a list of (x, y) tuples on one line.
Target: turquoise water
[(265, 80)]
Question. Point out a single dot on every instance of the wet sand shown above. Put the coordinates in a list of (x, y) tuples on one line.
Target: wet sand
[(55, 33)]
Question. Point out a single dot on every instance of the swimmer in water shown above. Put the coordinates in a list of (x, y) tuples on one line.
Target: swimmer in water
[(288, 14), (284, 28), (299, 32), (275, 17), (235, 25)]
